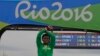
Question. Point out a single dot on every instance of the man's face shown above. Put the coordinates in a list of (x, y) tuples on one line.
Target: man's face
[(46, 39)]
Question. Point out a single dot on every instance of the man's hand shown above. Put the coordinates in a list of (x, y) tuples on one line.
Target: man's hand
[(49, 28)]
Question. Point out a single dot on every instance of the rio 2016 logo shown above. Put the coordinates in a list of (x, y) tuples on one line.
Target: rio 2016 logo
[(76, 13)]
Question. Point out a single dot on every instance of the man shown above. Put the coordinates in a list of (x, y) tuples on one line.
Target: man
[(45, 43)]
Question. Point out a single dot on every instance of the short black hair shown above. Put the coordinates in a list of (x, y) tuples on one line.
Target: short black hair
[(45, 35)]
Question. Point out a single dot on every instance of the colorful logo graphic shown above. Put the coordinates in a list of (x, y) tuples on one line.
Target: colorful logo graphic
[(69, 13)]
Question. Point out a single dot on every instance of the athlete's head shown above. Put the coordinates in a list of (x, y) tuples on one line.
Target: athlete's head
[(45, 39)]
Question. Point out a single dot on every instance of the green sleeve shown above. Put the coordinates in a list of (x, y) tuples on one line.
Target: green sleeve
[(38, 40), (52, 39)]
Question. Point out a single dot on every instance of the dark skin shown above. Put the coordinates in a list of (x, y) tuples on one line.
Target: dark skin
[(46, 40)]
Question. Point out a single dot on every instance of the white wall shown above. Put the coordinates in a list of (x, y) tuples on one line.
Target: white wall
[(23, 43)]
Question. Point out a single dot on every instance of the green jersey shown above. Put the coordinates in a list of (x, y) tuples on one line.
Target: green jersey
[(45, 50)]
